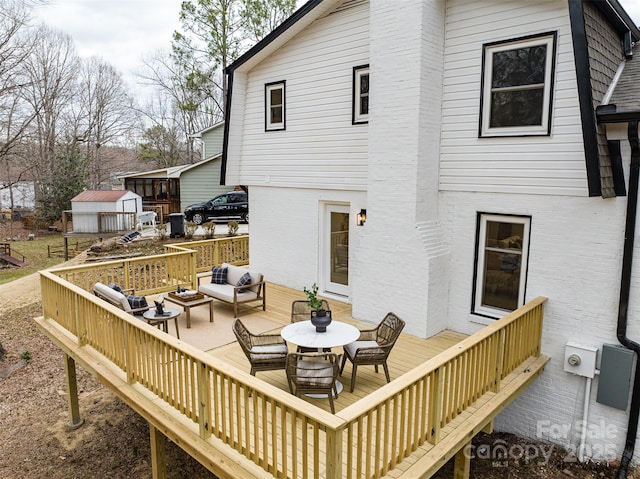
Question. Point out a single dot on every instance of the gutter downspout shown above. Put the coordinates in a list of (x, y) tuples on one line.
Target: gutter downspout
[(625, 288)]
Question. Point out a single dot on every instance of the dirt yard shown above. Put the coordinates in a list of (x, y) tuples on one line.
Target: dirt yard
[(36, 442)]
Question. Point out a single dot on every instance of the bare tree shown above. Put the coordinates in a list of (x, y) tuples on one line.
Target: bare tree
[(101, 113), (177, 106), (15, 116), (51, 69)]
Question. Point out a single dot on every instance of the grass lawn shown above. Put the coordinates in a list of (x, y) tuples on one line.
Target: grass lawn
[(36, 253)]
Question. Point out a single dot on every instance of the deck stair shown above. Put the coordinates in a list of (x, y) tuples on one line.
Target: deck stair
[(5, 255)]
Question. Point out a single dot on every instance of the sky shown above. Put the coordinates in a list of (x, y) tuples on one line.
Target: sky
[(123, 32)]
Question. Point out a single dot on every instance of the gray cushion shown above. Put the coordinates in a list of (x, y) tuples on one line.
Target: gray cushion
[(351, 348), (268, 352), (318, 373), (113, 296), (224, 292), (234, 273)]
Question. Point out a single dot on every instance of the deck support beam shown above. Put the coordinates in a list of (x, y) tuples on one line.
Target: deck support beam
[(72, 393), (462, 463), (158, 453)]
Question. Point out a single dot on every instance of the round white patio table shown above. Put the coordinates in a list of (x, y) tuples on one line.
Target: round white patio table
[(303, 333)]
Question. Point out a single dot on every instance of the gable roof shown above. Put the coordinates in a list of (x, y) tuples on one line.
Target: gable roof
[(101, 195), (169, 172), (596, 151), (199, 134)]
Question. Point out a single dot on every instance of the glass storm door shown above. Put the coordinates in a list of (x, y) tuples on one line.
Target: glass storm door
[(336, 249)]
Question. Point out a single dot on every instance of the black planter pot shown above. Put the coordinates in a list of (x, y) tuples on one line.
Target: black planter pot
[(321, 319)]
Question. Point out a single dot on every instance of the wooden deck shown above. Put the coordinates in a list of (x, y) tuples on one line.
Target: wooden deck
[(444, 390), (408, 352)]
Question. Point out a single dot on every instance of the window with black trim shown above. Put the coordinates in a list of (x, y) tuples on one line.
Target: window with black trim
[(517, 86), (360, 111), (502, 247), (274, 106)]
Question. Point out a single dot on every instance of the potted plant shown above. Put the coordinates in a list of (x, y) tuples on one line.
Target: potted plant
[(320, 317)]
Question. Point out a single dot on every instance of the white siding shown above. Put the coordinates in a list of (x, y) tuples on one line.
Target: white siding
[(552, 165), (574, 260), (320, 147)]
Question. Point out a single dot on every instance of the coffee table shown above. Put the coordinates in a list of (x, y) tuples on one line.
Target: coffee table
[(303, 333), (153, 320), (187, 305)]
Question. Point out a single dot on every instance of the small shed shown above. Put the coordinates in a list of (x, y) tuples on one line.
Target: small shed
[(101, 211)]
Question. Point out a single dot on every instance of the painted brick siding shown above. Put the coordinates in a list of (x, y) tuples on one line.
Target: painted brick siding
[(285, 232), (575, 261), (536, 165), (403, 169)]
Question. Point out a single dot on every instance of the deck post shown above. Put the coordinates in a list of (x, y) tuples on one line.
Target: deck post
[(499, 361), (72, 393), (158, 453), (334, 454), (435, 408), (194, 271), (204, 401), (216, 253), (462, 463)]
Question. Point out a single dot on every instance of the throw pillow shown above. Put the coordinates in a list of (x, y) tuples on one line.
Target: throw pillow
[(244, 279), (137, 302), (219, 275), (115, 287)]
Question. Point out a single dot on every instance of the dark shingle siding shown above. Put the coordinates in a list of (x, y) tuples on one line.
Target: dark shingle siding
[(605, 54)]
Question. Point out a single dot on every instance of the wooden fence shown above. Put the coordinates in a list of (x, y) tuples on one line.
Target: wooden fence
[(282, 434)]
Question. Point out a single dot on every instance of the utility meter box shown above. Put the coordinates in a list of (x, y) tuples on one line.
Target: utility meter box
[(580, 359), (616, 369)]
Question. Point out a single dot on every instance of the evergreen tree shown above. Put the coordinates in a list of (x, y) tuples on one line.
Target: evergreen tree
[(68, 179)]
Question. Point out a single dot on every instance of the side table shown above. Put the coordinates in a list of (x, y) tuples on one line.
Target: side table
[(154, 320)]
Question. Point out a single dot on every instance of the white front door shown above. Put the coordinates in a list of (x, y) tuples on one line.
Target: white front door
[(335, 249)]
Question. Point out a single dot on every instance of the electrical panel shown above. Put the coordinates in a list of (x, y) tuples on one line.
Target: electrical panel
[(616, 368)]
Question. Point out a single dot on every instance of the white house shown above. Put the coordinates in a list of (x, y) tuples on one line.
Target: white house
[(87, 206), (486, 173), (20, 194)]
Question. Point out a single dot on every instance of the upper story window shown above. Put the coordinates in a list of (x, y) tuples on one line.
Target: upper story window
[(360, 94), (517, 86), (274, 106), (502, 248)]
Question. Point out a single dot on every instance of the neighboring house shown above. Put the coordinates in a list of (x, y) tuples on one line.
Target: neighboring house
[(89, 207), (173, 189), (486, 174), (19, 195), (210, 140)]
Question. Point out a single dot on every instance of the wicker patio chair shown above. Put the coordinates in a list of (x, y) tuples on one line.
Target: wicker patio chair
[(265, 352), (313, 373), (373, 346)]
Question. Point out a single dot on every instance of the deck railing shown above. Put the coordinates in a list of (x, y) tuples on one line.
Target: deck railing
[(281, 433), (232, 250)]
